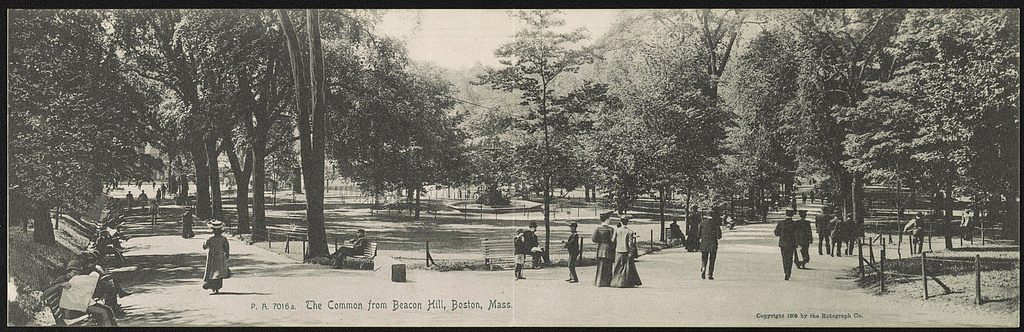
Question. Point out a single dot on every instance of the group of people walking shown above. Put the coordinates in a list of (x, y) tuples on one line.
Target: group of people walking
[(616, 254)]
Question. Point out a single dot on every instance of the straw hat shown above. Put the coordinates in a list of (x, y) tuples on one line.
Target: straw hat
[(216, 224)]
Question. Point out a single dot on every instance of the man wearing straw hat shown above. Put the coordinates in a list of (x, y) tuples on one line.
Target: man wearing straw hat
[(216, 258)]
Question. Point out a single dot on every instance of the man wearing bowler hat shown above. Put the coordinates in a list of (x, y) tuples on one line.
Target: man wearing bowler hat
[(804, 239), (786, 230)]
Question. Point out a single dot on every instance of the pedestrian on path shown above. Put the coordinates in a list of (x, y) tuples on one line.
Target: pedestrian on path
[(131, 201), (572, 245), (624, 274), (824, 227), (916, 229), (692, 232), (786, 230), (710, 231), (143, 201), (160, 194), (806, 237), (519, 243), (604, 236), (186, 224), (154, 211), (216, 258)]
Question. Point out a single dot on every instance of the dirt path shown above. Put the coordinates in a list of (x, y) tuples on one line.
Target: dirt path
[(748, 283)]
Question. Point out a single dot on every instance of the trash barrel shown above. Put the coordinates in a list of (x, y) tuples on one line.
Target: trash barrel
[(398, 272)]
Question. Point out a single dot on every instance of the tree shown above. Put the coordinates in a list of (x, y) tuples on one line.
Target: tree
[(195, 56), (75, 120), (764, 82), (536, 57), (309, 92), (841, 51), (665, 71), (947, 115), (399, 134)]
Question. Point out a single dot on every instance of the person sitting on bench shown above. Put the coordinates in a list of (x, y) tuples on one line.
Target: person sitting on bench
[(353, 247)]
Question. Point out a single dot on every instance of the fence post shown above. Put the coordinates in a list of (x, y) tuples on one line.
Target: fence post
[(304, 248), (871, 249), (860, 256), (924, 275), (881, 269), (268, 237), (428, 254), (977, 279), (287, 244), (652, 240), (335, 243)]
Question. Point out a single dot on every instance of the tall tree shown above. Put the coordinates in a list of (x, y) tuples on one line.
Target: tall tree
[(530, 63), (76, 122), (308, 81)]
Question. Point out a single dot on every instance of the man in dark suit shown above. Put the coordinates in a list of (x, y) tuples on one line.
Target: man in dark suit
[(530, 237), (787, 233), (710, 231), (824, 228), (353, 247), (604, 237), (804, 239), (572, 245), (692, 230)]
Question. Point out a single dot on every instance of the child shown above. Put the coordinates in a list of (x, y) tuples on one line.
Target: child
[(520, 252)]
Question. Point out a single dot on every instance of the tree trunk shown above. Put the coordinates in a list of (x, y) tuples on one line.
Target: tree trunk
[(242, 175), (42, 231), (309, 97), (417, 204), (212, 152), (183, 183), (259, 176), (408, 200), (202, 166)]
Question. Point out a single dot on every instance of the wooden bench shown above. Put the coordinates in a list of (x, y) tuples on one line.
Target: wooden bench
[(62, 317), (366, 258), (501, 252), (498, 252)]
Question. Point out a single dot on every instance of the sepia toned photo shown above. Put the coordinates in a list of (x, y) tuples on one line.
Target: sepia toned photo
[(725, 167)]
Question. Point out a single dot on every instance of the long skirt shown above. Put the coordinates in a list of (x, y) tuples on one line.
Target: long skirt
[(216, 267), (624, 273), (604, 272)]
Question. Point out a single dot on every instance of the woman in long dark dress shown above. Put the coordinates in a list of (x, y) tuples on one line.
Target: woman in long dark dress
[(216, 258)]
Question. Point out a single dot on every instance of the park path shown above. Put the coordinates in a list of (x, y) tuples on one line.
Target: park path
[(749, 282)]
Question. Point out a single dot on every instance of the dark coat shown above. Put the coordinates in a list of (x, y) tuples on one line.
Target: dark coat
[(821, 223), (573, 244), (710, 231), (692, 224), (804, 233), (786, 230), (520, 246), (531, 239), (604, 236)]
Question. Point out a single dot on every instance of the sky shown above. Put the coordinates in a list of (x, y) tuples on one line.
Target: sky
[(459, 38)]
